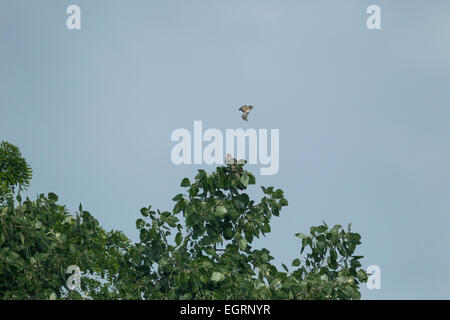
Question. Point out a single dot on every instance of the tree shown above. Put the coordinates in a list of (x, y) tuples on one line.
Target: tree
[(15, 173), (39, 240), (211, 254), (202, 249)]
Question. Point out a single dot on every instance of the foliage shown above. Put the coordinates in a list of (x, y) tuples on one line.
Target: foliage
[(202, 249), (211, 255), (39, 240), (15, 173)]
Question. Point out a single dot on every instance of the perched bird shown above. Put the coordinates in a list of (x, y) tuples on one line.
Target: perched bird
[(234, 163), (246, 110), (230, 160)]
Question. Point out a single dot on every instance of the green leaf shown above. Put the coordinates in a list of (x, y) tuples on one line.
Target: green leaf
[(335, 229), (362, 275), (185, 182), (217, 276), (221, 211), (266, 228), (178, 197), (172, 221), (296, 262), (144, 212), (140, 223), (243, 244), (278, 194), (187, 296), (53, 197), (245, 179), (178, 238)]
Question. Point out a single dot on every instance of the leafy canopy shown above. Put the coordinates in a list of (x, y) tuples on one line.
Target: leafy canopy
[(202, 249), (15, 173), (211, 255)]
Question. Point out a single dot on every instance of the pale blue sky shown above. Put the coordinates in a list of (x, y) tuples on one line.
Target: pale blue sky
[(363, 115)]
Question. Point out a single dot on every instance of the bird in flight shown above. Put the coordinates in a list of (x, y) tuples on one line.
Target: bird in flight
[(246, 110)]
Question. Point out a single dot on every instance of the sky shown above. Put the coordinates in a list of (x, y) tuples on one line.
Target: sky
[(363, 115)]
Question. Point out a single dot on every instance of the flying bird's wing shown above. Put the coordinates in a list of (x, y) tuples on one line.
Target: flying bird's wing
[(245, 109)]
